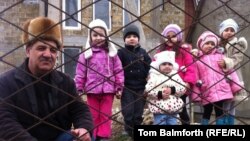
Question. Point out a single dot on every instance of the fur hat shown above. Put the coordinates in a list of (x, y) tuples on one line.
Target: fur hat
[(228, 23), (88, 51), (174, 28), (205, 37), (42, 28), (165, 56), (131, 29)]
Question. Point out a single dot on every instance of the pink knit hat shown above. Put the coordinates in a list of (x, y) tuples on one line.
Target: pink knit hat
[(206, 37), (174, 28)]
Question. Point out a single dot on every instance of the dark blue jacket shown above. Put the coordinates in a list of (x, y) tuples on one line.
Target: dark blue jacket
[(136, 65)]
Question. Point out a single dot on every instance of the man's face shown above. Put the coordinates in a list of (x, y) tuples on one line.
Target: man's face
[(42, 57)]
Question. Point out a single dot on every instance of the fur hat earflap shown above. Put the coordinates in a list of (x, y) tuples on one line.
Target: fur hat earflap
[(165, 56), (42, 28), (93, 24)]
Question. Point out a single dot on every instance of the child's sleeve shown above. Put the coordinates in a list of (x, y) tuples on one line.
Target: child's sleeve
[(151, 88), (119, 74), (148, 61), (237, 56), (195, 94), (81, 72), (189, 76), (180, 86)]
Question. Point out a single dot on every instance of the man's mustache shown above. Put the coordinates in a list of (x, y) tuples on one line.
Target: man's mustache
[(50, 59)]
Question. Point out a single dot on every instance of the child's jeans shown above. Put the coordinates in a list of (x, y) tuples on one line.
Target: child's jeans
[(165, 119), (65, 137)]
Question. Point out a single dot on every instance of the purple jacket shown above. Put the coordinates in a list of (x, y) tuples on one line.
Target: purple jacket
[(103, 74), (214, 86)]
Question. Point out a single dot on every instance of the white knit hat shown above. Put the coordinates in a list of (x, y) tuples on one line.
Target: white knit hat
[(88, 51), (165, 56), (228, 23)]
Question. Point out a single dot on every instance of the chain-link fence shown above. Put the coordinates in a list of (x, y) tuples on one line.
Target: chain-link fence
[(193, 16)]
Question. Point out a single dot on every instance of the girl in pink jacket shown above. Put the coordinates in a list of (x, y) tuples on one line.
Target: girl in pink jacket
[(99, 74), (214, 86)]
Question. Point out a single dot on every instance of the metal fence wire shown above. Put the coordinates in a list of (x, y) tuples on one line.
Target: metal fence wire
[(198, 19)]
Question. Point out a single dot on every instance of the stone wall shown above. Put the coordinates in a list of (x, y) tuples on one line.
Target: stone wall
[(12, 19)]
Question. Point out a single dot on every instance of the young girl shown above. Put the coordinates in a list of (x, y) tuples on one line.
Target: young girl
[(164, 88), (172, 41), (214, 89), (99, 74), (234, 51)]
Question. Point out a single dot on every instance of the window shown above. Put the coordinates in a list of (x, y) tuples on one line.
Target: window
[(126, 14), (102, 10), (69, 59), (71, 7)]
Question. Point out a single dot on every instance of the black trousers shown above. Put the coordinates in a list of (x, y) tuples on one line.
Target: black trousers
[(185, 120), (208, 109), (132, 104)]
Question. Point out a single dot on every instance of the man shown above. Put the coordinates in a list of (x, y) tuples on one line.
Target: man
[(38, 102)]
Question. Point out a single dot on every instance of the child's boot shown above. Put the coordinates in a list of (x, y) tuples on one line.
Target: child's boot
[(204, 121)]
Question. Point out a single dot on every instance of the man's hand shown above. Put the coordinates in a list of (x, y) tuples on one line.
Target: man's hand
[(82, 134)]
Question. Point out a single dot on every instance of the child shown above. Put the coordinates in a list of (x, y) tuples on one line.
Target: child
[(164, 88), (234, 51), (172, 41), (136, 64), (99, 74), (214, 88)]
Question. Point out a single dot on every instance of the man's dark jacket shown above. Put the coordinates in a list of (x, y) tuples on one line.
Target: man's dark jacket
[(20, 117)]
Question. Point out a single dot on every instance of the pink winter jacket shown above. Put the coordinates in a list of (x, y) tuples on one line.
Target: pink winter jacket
[(214, 86), (104, 74)]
